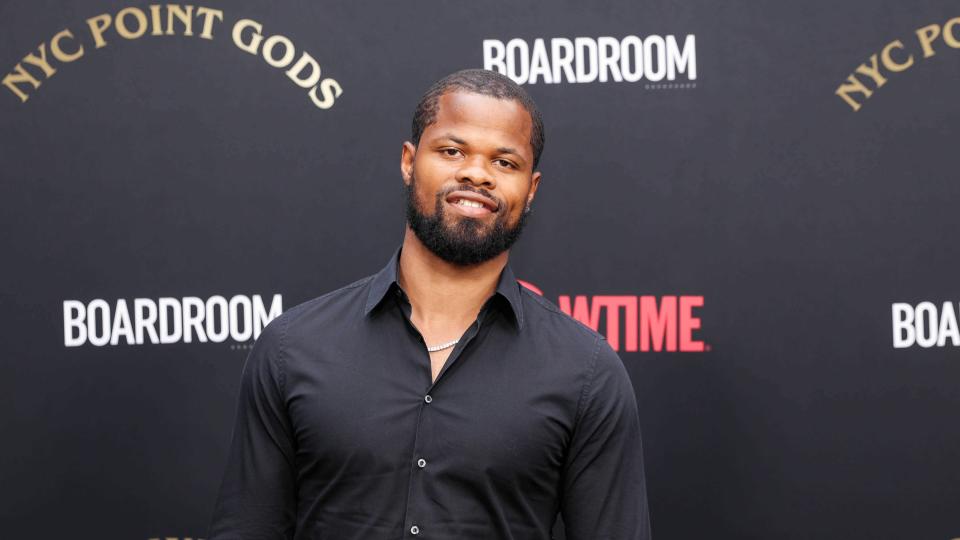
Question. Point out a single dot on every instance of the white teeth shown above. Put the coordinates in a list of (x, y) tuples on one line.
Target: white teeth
[(465, 202)]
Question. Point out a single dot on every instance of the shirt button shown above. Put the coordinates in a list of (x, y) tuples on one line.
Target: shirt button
[(421, 463), (428, 398), (414, 530)]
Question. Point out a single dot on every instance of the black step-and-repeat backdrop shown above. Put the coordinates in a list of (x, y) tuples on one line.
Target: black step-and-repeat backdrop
[(756, 202)]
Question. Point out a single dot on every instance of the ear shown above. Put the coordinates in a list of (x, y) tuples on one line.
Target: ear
[(534, 184), (407, 155)]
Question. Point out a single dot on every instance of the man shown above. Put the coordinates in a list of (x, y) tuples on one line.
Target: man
[(438, 398)]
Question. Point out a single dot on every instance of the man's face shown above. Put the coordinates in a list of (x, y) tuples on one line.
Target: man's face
[(470, 179)]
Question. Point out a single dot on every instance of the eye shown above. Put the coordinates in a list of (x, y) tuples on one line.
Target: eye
[(451, 152), (505, 163)]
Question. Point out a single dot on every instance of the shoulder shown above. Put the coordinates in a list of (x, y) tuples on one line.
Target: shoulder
[(544, 317), (575, 341), (344, 296), (571, 344), (320, 314)]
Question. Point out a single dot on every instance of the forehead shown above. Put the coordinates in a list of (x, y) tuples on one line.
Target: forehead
[(500, 121)]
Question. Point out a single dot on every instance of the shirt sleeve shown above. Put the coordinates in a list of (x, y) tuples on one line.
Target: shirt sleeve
[(257, 499), (604, 489)]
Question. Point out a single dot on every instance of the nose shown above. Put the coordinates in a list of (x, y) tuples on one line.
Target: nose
[(476, 171)]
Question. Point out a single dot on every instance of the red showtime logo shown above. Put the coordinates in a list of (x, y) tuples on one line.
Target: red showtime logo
[(638, 323)]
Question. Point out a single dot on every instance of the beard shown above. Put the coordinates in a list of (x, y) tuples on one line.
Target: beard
[(466, 241)]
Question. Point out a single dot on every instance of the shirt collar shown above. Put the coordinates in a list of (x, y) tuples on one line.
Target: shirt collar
[(385, 279)]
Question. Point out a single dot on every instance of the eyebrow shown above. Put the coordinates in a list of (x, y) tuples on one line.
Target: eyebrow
[(500, 150), (453, 138)]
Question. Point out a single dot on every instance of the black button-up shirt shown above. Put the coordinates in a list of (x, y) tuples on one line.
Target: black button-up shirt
[(340, 433)]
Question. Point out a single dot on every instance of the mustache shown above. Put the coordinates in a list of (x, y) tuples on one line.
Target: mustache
[(442, 194)]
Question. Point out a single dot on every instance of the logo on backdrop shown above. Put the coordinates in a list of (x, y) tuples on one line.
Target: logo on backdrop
[(604, 59), (926, 325), (650, 323), (66, 47), (167, 320), (897, 57)]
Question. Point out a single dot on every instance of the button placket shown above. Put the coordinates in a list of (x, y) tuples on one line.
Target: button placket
[(458, 350), (411, 507)]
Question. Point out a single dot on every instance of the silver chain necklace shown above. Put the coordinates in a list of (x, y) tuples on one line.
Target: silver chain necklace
[(442, 346)]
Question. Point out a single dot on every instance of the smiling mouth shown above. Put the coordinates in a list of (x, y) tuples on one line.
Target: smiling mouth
[(472, 203), (470, 209)]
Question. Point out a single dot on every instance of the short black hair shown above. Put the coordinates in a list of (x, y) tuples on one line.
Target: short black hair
[(485, 83)]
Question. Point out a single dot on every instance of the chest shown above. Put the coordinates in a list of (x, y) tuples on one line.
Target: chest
[(437, 361), (487, 414)]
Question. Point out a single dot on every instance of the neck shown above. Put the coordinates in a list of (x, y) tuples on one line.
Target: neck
[(445, 298)]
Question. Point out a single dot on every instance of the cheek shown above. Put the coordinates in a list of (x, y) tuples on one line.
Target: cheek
[(425, 197), (424, 177), (433, 170), (517, 198), (516, 205)]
